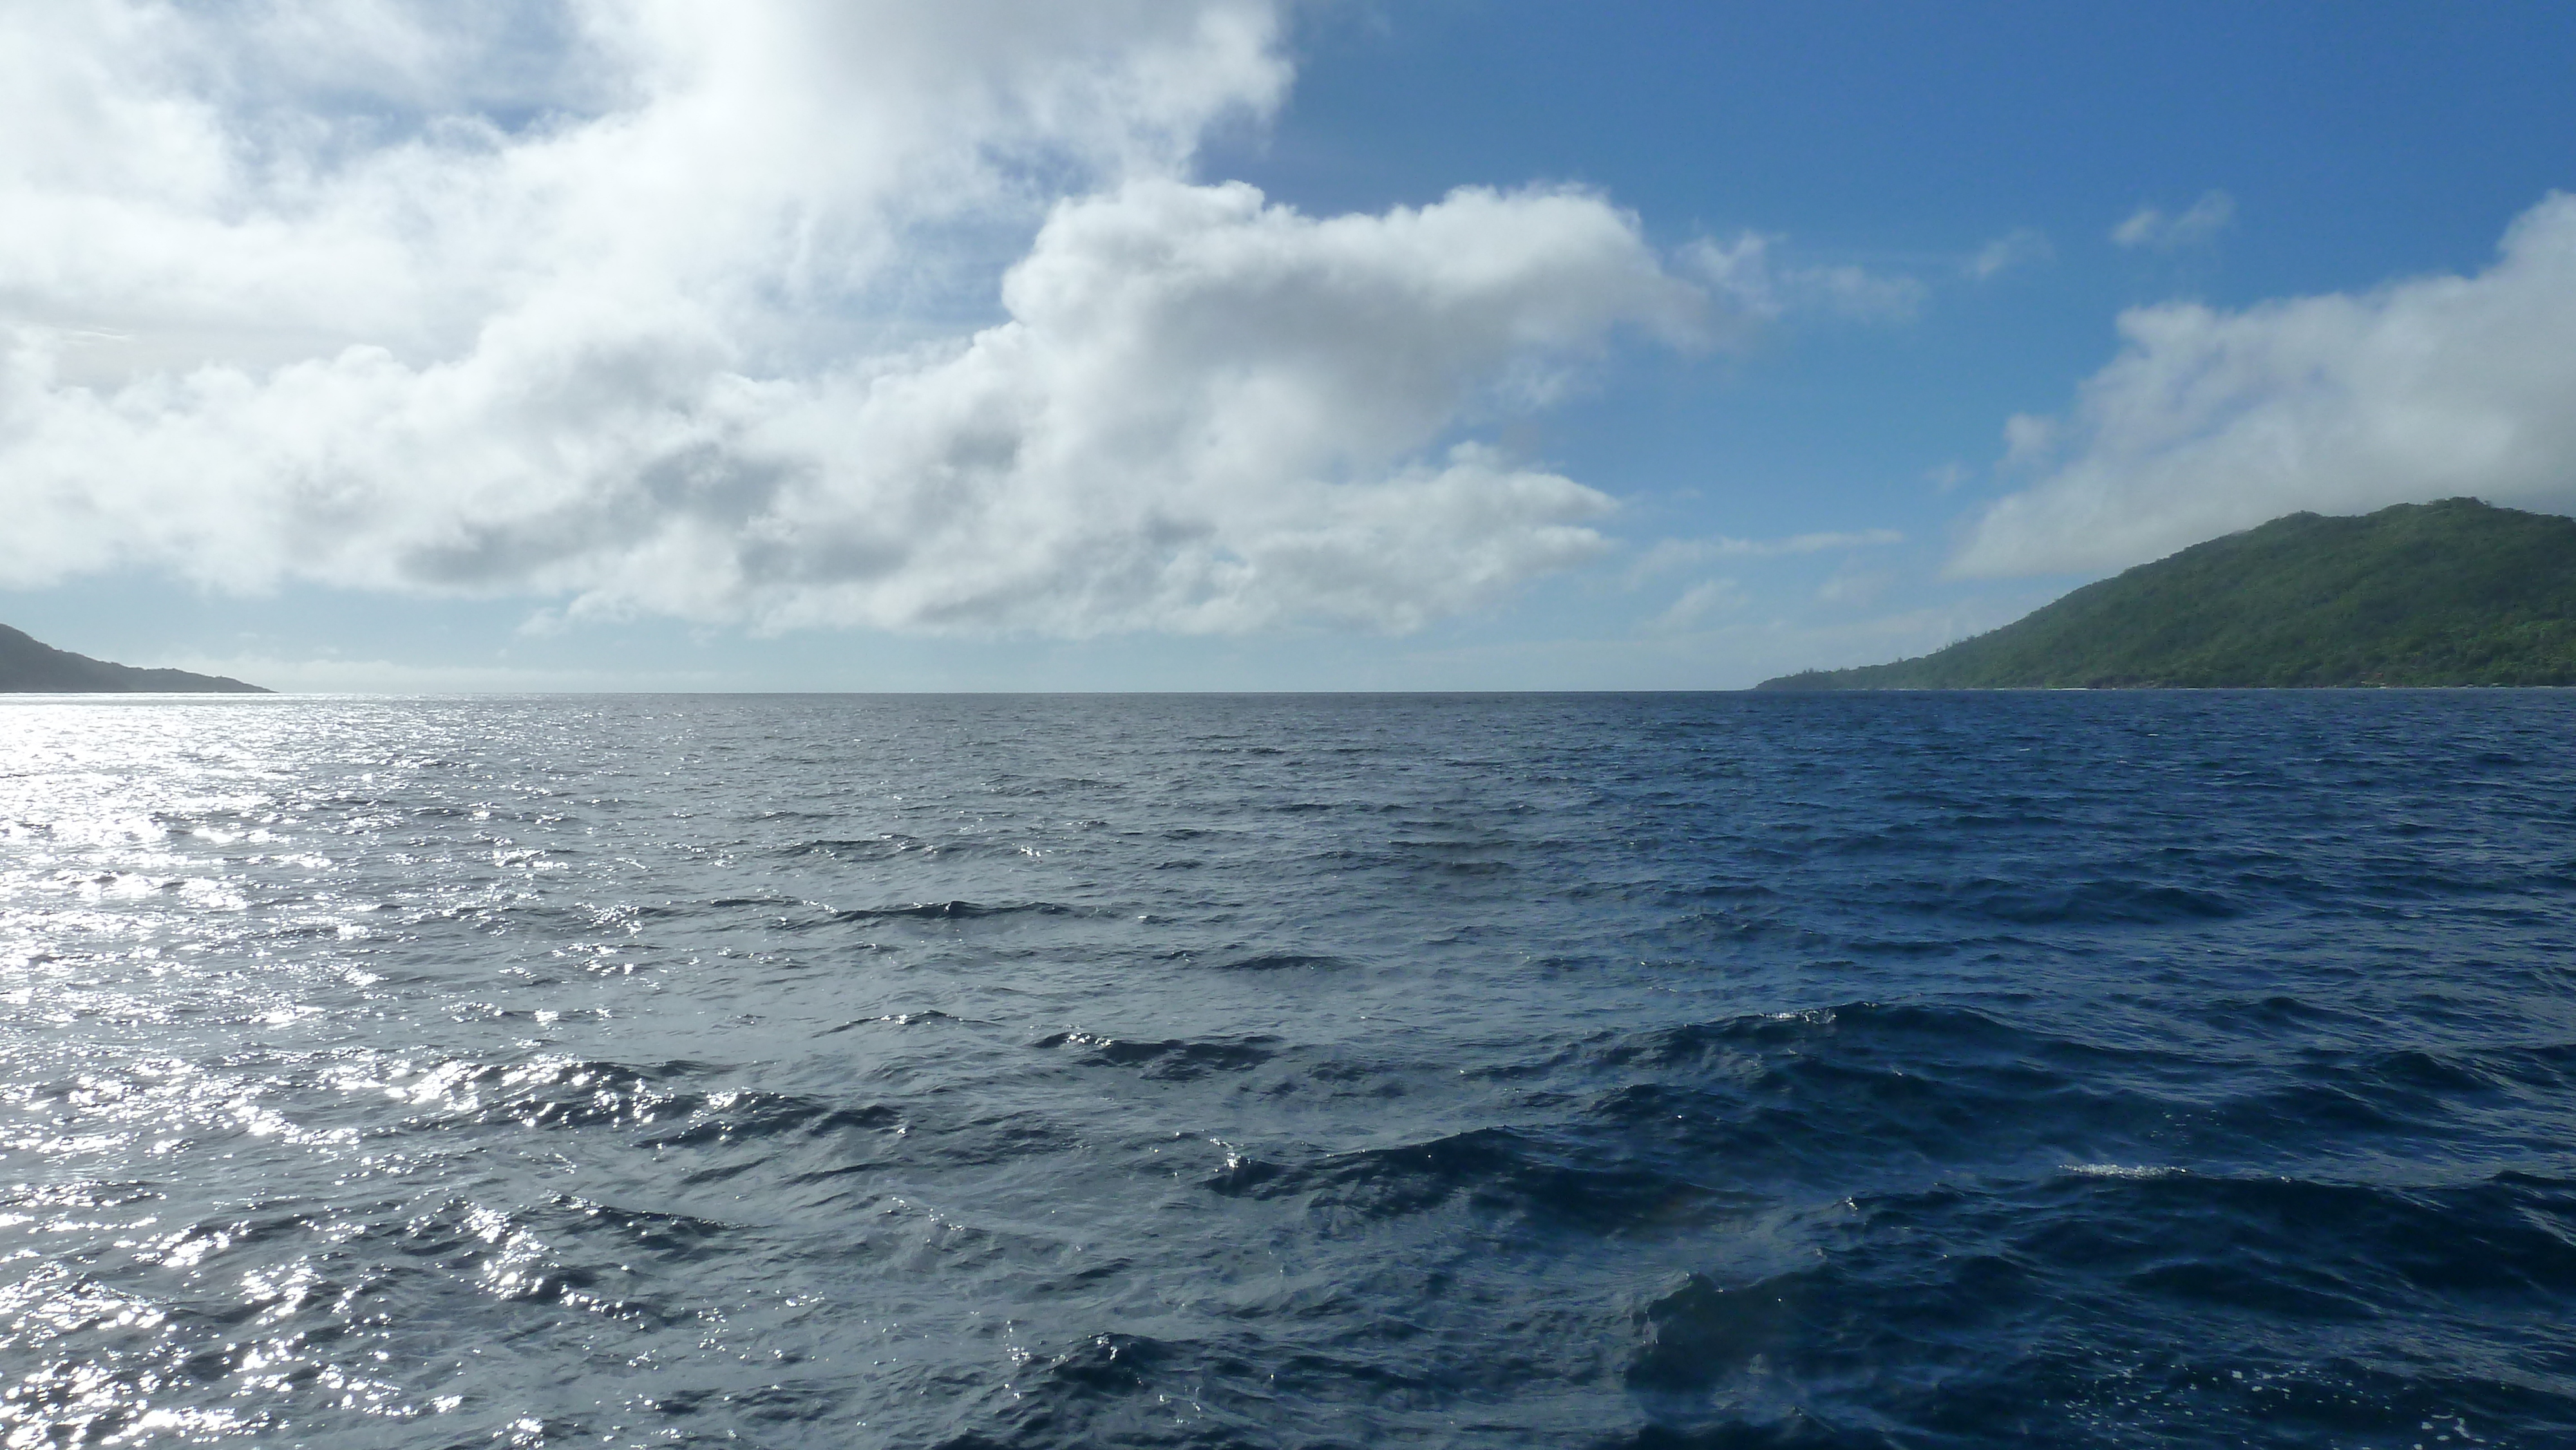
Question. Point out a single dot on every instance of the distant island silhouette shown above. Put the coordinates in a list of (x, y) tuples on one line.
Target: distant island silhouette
[(2452, 593), (29, 666)]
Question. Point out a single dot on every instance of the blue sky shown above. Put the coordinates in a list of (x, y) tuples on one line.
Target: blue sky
[(1717, 380)]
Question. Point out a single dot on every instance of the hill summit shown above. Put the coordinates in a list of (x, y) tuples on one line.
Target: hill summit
[(30, 667), (2451, 593)]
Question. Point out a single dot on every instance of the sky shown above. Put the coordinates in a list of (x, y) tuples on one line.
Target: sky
[(1233, 344)]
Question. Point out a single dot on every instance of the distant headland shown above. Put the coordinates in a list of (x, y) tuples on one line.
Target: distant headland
[(2451, 593), (29, 667)]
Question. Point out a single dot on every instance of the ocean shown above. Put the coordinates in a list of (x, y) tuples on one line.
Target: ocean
[(1731, 1070)]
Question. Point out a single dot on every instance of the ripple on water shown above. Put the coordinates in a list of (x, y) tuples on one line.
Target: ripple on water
[(1052, 1071)]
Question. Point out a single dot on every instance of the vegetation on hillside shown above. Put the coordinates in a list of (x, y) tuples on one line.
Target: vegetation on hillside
[(28, 666), (2450, 593)]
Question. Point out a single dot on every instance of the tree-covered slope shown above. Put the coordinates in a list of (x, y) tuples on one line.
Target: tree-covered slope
[(28, 667), (2449, 593)]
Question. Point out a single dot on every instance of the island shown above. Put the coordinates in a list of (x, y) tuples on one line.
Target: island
[(2451, 593), (28, 666)]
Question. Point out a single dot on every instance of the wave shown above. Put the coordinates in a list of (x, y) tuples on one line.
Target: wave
[(957, 911), (1492, 1171), (1170, 1059), (1643, 1071), (1285, 962)]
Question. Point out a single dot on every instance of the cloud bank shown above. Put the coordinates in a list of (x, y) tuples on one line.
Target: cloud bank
[(2210, 421), (679, 307)]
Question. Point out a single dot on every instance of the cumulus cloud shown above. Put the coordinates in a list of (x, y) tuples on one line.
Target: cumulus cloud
[(678, 307), (2211, 421), (2151, 228)]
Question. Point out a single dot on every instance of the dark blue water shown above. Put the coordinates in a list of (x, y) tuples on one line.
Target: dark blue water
[(1923, 1071)]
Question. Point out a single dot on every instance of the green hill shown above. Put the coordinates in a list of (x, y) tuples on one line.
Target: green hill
[(2449, 593), (28, 667)]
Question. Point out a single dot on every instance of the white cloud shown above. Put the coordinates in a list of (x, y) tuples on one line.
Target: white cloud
[(2021, 247), (1855, 587), (658, 307), (2213, 421), (1668, 554), (1707, 597), (2028, 439), (2151, 228), (1744, 273)]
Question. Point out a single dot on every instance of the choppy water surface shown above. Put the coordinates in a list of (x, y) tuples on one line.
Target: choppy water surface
[(2141, 1070)]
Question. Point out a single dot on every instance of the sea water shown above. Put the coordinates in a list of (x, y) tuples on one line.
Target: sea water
[(2173, 1069)]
